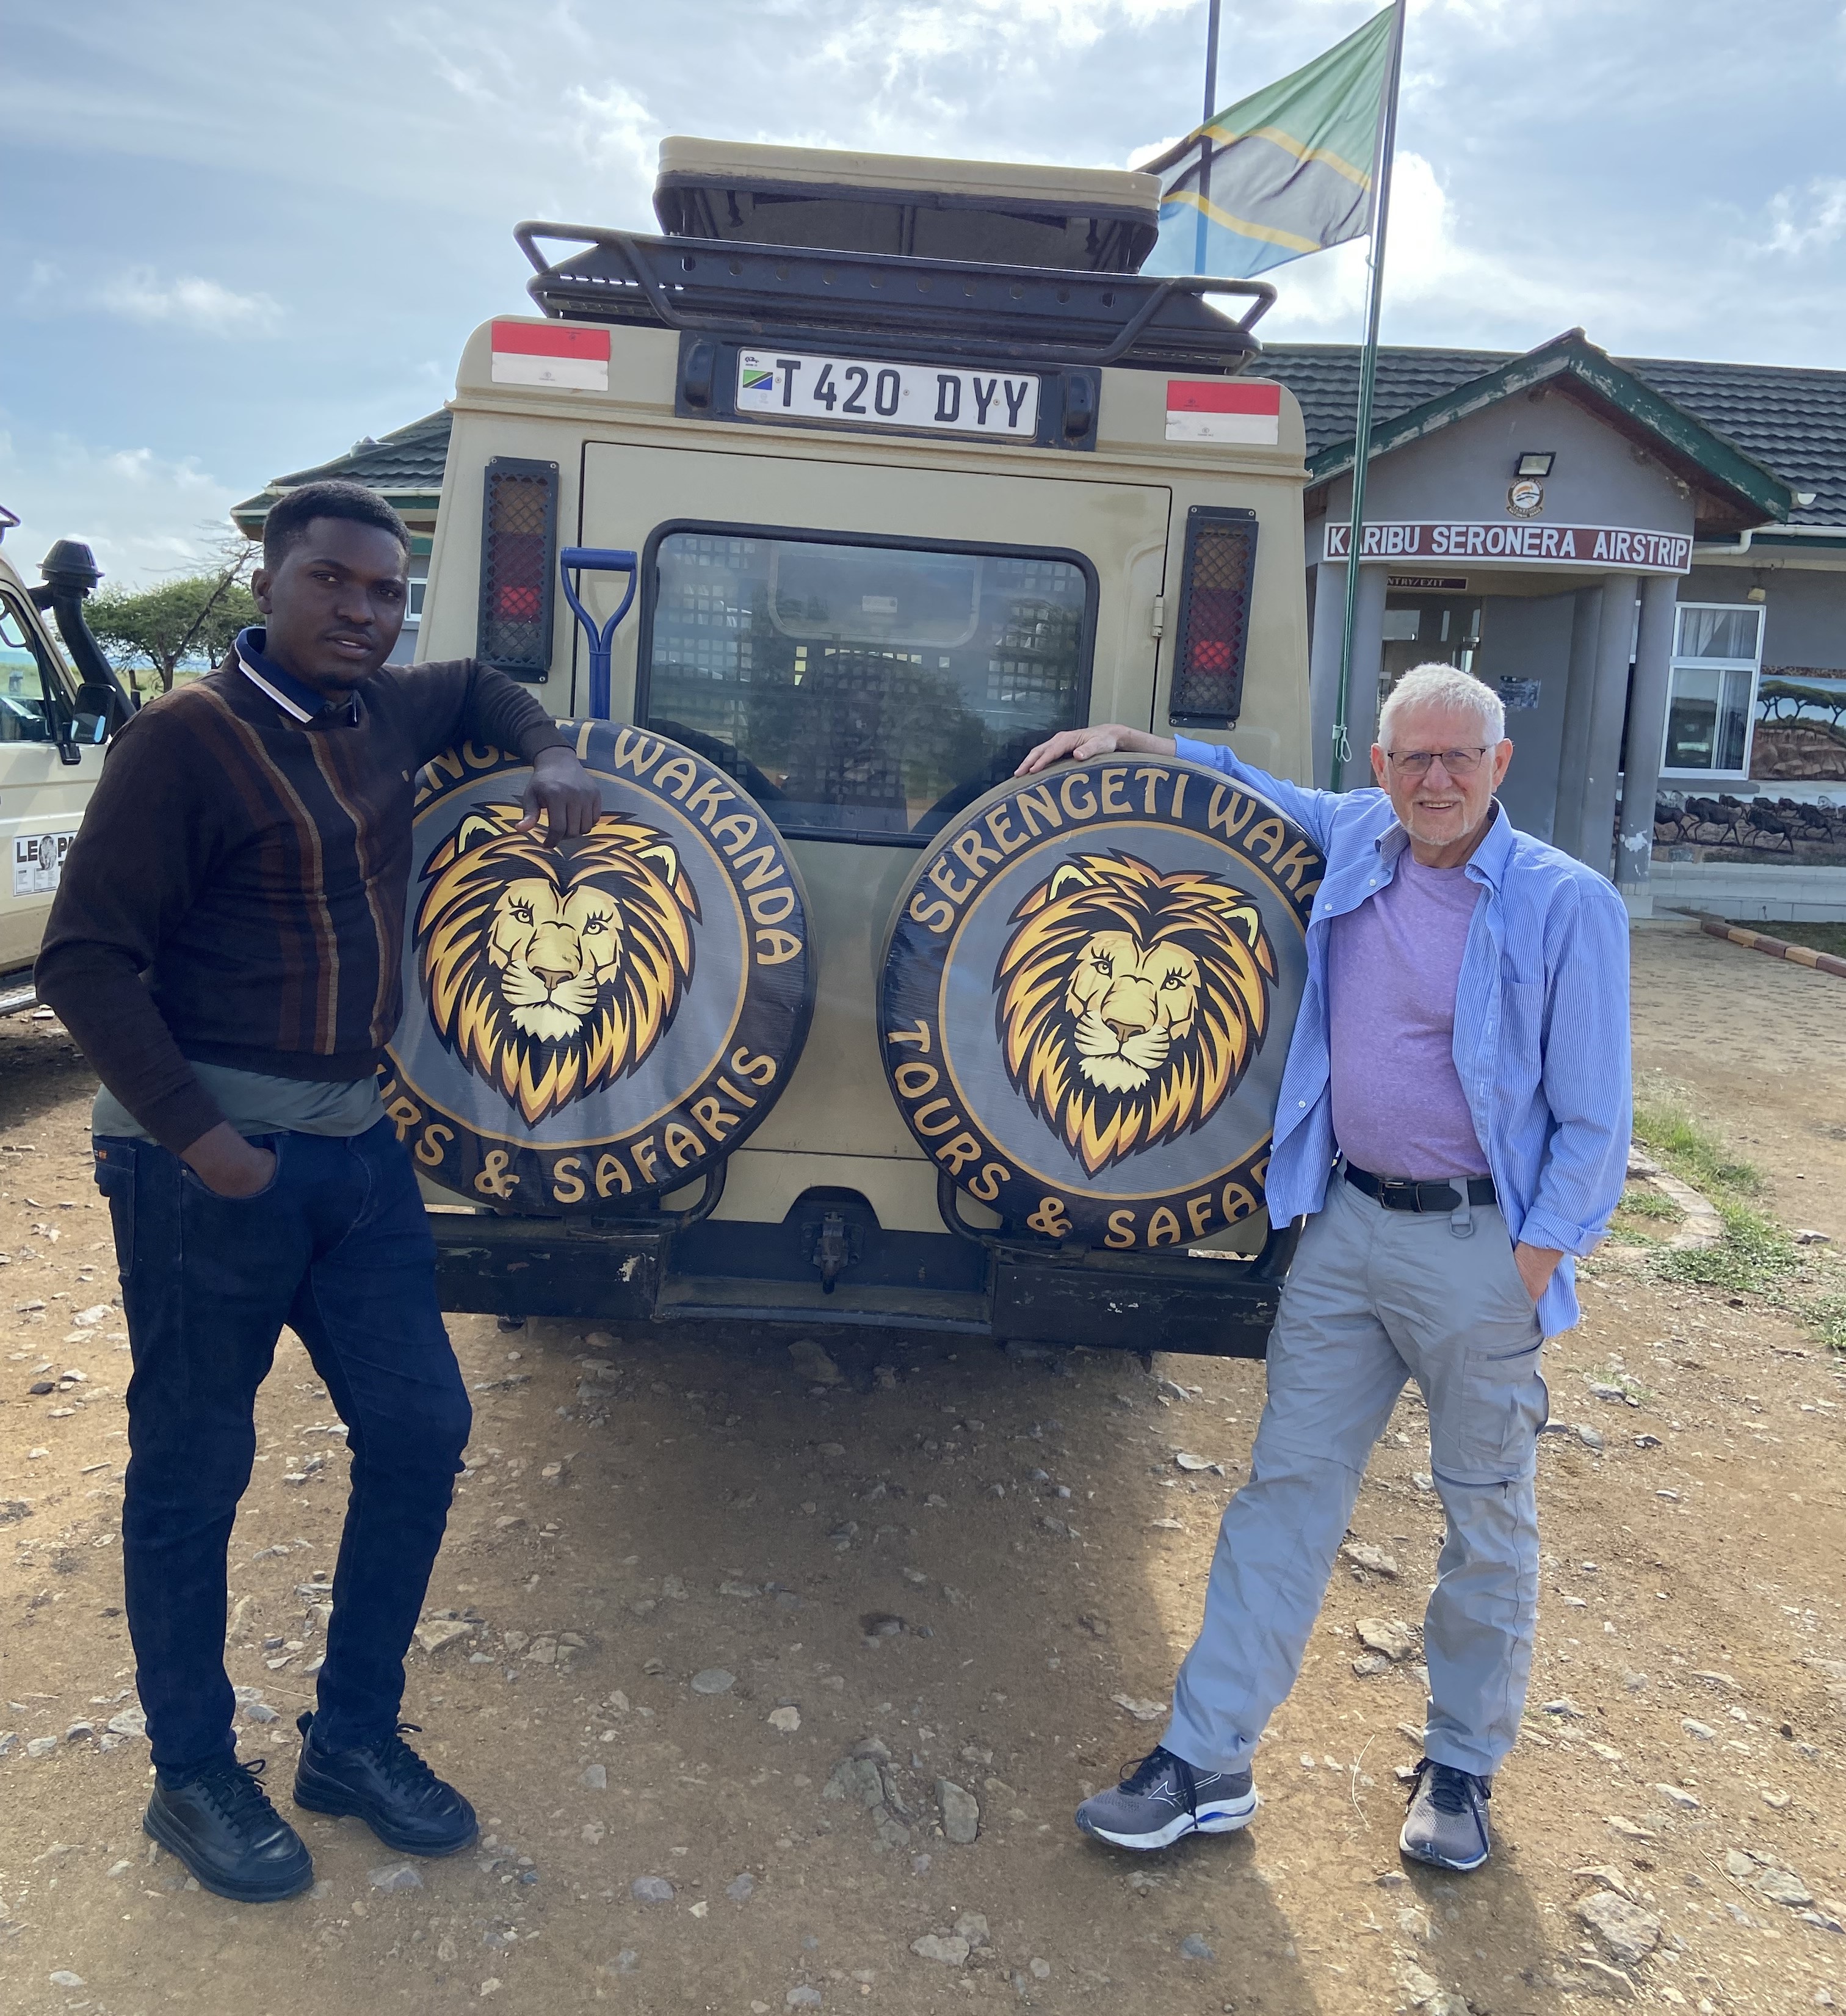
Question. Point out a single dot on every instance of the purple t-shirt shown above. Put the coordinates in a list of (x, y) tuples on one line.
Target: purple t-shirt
[(1392, 968)]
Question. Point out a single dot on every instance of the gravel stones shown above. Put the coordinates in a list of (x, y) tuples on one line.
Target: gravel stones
[(1627, 1933), (1142, 1711), (1779, 1885), (395, 1876), (785, 1721), (960, 1810), (714, 1680), (652, 1890), (802, 1998), (594, 1778), (1193, 1947), (741, 1888)]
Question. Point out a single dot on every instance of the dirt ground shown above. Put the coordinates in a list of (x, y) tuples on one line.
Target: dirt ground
[(955, 1565)]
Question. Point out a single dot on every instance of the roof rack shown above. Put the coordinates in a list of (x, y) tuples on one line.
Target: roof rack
[(893, 307)]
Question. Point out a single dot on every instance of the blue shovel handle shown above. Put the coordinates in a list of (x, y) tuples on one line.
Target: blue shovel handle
[(597, 559)]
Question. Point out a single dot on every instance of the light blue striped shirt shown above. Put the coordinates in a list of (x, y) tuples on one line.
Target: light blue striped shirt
[(1541, 1022)]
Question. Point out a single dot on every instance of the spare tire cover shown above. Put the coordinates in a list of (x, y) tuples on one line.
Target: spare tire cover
[(1089, 988), (591, 1026)]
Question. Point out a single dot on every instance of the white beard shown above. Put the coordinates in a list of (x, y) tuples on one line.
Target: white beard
[(551, 1014), (1116, 1066)]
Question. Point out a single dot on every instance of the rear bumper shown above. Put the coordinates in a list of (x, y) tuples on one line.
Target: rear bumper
[(625, 1272)]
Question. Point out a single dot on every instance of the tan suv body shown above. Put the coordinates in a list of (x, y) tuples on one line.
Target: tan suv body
[(671, 403)]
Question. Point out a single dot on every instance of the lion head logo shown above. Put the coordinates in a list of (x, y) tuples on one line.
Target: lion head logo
[(550, 973), (1131, 1002)]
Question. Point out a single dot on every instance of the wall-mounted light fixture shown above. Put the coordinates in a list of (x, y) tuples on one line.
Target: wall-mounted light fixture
[(1534, 465)]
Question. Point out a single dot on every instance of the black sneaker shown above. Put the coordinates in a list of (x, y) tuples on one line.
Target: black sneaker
[(389, 1787), (221, 1826), (1446, 1826), (1163, 1798)]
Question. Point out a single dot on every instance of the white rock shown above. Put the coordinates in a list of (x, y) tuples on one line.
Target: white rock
[(951, 1950), (1677, 1795), (594, 1778), (714, 1680), (960, 1810), (63, 1978), (787, 1720), (1362, 1554), (1142, 1711), (1392, 1636), (1627, 1933), (396, 1876), (438, 1632)]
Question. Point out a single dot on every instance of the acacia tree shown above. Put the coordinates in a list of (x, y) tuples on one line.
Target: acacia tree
[(193, 616)]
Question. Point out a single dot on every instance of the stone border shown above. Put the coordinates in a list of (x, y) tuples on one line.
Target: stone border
[(1703, 1227), (1821, 962)]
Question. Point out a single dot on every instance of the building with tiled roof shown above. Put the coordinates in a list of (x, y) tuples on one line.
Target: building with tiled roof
[(1646, 555), (406, 468)]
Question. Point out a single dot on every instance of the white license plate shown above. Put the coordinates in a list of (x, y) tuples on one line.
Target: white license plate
[(861, 392)]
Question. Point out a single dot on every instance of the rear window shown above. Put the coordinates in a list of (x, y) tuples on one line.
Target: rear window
[(862, 690)]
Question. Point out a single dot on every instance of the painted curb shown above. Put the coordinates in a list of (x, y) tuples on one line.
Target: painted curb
[(1821, 962)]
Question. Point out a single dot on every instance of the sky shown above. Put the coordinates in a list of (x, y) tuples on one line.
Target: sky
[(237, 236)]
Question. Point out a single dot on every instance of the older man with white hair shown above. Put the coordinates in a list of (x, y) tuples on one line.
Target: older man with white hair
[(1453, 1124)]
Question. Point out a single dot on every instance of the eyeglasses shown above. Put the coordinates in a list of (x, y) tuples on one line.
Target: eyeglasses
[(1457, 762)]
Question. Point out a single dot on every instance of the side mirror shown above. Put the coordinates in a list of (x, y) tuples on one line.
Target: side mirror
[(101, 710)]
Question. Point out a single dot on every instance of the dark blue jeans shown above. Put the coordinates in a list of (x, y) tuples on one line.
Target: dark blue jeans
[(337, 1248)]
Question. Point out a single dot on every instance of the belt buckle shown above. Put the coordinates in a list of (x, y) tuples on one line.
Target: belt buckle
[(1397, 1195)]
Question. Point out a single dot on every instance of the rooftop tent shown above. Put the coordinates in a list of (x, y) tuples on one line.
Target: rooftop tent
[(1086, 220)]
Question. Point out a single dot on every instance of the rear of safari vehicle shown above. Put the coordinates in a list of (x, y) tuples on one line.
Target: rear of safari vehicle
[(906, 468)]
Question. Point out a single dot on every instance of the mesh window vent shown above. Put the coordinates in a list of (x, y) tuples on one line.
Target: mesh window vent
[(1214, 617)]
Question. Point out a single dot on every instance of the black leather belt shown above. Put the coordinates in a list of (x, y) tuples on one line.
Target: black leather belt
[(1420, 1197)]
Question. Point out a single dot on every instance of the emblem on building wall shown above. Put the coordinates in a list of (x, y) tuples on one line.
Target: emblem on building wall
[(1526, 498)]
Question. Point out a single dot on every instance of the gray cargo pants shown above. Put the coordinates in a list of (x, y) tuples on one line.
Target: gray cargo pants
[(1376, 1297)]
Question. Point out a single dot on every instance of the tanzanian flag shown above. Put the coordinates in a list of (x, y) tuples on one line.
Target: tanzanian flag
[(1291, 167)]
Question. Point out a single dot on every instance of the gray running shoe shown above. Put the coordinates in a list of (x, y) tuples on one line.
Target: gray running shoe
[(1446, 1826), (1163, 1799)]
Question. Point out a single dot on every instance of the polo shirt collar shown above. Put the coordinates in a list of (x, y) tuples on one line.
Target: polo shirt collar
[(298, 700), (1489, 859)]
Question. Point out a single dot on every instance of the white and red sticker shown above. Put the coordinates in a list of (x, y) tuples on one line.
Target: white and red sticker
[(551, 353), (1223, 409)]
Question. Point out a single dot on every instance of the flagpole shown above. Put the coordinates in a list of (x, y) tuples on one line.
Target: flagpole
[(1205, 143), (1342, 753)]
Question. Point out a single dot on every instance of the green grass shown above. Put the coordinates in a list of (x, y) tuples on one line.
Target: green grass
[(1821, 938), (1755, 1256), (1677, 1139)]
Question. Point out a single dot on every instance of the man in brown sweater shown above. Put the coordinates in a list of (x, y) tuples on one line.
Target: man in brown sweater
[(225, 947)]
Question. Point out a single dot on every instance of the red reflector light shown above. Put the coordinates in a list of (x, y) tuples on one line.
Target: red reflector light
[(518, 566), (1213, 632)]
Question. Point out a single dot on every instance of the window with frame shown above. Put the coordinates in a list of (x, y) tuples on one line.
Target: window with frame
[(1711, 701), (27, 673), (862, 690)]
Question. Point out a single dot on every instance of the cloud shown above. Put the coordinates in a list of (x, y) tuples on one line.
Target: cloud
[(143, 515), (139, 294), (1826, 220)]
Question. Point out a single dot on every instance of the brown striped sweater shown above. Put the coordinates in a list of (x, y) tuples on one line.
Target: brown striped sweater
[(236, 892)]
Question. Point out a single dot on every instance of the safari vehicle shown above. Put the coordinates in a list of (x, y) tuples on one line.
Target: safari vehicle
[(810, 516), (53, 723)]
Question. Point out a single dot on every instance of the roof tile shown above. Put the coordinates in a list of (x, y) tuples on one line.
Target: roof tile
[(1793, 419)]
